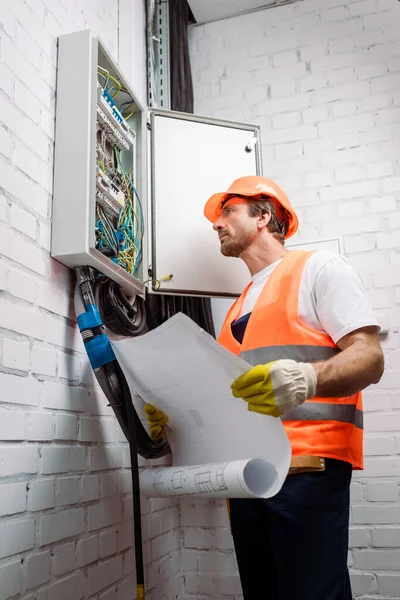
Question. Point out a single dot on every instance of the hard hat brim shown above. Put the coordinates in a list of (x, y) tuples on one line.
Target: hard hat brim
[(212, 209)]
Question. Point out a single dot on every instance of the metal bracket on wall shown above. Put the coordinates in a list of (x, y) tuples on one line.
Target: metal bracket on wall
[(158, 55)]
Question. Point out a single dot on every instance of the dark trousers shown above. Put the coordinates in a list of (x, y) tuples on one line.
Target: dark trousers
[(294, 546)]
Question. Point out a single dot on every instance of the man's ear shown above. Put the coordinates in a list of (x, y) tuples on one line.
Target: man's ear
[(263, 219)]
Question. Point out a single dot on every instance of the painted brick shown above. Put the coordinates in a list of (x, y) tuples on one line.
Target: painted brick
[(388, 584), (21, 285), (16, 354), (16, 536), (27, 102), (362, 583), (289, 150), (388, 240), (284, 58), (108, 512), (5, 142), (4, 211), (43, 360), (349, 191), (384, 491), (108, 485), (352, 173), (359, 537), (68, 366), (125, 535), (361, 243), (351, 209), (383, 422), (12, 498), (385, 560), (286, 120), (88, 551), (356, 492), (90, 488), (385, 204), (61, 459), (38, 569), (63, 525), (24, 221), (40, 426), (6, 78), (104, 574), (23, 252), (13, 425), (37, 297), (41, 494), (69, 588), (52, 298), (100, 460), (67, 491), (62, 397), (107, 543), (64, 558), (197, 538), (66, 427), (18, 460), (10, 580)]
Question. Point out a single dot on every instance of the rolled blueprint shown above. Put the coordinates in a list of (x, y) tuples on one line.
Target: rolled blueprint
[(183, 371), (236, 479)]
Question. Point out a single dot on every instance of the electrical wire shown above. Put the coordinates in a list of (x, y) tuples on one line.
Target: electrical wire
[(130, 224), (112, 78), (131, 113)]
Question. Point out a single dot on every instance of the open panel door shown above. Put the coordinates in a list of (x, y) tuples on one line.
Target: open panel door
[(191, 158)]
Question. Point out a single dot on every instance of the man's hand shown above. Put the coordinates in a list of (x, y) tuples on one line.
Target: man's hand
[(277, 387), (157, 421)]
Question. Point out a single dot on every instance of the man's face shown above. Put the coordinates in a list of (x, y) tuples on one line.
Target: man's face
[(236, 229)]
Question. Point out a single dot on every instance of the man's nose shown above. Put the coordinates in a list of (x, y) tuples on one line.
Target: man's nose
[(217, 225)]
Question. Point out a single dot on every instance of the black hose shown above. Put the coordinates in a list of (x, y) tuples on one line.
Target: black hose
[(119, 314), (125, 318)]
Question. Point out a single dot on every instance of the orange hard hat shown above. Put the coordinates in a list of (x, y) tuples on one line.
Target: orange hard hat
[(254, 185)]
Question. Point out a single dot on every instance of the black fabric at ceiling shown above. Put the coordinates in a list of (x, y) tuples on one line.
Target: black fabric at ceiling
[(161, 307), (181, 74)]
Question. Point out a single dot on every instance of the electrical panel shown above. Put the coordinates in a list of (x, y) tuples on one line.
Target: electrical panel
[(130, 183), (99, 203)]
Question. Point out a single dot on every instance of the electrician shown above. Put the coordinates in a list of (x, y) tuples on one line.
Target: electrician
[(305, 324)]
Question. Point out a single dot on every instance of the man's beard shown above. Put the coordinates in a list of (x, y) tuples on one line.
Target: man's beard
[(235, 247)]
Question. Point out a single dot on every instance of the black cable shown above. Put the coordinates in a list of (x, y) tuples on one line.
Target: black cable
[(119, 315), (116, 389), (110, 376)]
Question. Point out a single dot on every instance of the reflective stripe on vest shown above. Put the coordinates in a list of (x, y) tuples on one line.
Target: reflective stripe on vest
[(266, 354), (326, 411)]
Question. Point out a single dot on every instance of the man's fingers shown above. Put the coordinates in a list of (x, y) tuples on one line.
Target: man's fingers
[(156, 432), (272, 411), (255, 375)]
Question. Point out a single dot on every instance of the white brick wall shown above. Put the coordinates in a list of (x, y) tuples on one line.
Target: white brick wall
[(323, 81), (65, 501)]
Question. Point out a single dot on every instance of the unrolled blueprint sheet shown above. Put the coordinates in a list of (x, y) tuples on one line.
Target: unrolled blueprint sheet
[(219, 448)]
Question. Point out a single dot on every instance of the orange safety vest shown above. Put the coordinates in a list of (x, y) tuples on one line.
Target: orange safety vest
[(328, 427)]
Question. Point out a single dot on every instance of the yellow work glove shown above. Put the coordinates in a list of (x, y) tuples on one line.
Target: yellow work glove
[(157, 421), (277, 387)]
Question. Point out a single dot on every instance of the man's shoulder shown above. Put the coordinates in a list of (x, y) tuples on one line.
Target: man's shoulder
[(327, 261)]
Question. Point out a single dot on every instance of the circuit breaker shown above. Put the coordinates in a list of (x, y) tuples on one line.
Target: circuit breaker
[(130, 183)]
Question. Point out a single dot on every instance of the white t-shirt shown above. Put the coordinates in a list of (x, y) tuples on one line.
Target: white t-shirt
[(331, 296)]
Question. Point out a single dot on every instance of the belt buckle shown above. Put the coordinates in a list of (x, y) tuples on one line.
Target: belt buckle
[(307, 464)]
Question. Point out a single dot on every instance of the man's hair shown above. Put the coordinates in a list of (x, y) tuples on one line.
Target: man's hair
[(277, 227)]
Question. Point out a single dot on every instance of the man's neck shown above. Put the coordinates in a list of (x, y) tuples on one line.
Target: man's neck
[(259, 256)]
